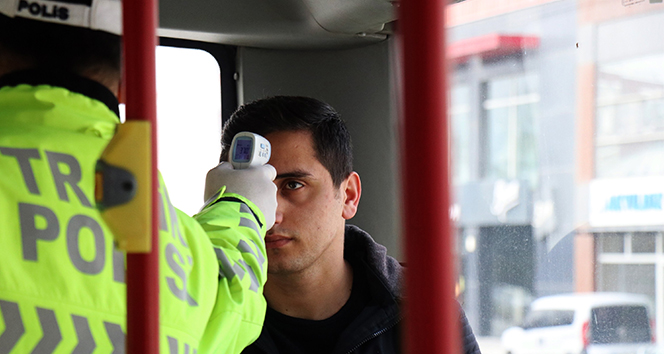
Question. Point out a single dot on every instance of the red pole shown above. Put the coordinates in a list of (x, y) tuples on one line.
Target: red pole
[(140, 41), (431, 312)]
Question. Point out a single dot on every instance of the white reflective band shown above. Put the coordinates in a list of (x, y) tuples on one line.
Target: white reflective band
[(103, 15)]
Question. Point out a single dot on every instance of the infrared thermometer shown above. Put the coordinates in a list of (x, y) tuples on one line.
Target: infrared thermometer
[(248, 150)]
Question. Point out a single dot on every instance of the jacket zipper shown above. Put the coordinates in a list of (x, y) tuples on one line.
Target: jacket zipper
[(376, 334)]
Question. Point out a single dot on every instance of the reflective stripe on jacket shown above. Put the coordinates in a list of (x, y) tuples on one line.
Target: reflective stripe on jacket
[(62, 286)]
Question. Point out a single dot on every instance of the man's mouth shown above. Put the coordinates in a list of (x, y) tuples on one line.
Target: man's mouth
[(276, 241)]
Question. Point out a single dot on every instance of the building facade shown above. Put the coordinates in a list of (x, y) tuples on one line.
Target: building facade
[(557, 113)]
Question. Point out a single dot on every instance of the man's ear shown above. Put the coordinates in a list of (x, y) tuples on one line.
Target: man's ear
[(351, 192)]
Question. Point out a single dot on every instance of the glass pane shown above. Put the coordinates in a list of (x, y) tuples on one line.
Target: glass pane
[(573, 103), (620, 324), (527, 84), (548, 318), (630, 160), (630, 115), (511, 128), (527, 142), (643, 242), (612, 243), (500, 88), (654, 115), (607, 121), (189, 122), (460, 108), (497, 138), (630, 118), (629, 278)]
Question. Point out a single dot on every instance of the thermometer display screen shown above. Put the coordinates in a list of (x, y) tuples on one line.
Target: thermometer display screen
[(242, 151)]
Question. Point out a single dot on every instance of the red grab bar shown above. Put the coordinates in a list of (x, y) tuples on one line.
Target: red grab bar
[(140, 41), (431, 312)]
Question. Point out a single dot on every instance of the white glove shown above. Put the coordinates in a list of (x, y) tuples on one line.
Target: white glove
[(255, 184)]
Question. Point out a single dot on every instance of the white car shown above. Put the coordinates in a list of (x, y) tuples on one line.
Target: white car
[(584, 323)]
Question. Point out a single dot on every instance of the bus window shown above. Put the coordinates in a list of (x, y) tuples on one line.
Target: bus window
[(189, 128), (557, 110)]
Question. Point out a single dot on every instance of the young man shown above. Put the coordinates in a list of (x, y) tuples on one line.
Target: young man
[(330, 288), (62, 287)]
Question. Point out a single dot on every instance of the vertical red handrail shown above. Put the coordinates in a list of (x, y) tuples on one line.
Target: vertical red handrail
[(140, 40), (431, 312)]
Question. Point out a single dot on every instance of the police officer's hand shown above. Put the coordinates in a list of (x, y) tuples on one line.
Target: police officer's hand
[(255, 184)]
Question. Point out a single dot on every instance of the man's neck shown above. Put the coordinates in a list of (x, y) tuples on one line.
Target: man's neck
[(314, 294)]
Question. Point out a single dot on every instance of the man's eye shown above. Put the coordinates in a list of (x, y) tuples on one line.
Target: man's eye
[(292, 185)]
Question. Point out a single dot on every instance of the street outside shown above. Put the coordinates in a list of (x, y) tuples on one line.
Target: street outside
[(490, 345)]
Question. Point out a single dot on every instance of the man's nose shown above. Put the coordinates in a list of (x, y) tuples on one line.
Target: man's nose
[(279, 214), (278, 217)]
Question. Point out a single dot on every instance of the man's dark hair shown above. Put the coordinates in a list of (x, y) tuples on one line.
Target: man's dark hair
[(331, 139), (60, 47)]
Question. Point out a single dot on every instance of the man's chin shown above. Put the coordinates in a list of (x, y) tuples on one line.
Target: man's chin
[(276, 266), (276, 270)]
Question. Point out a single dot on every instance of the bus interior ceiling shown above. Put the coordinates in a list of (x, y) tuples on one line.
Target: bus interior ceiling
[(339, 51)]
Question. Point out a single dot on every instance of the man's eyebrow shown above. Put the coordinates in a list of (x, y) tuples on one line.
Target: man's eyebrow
[(294, 174)]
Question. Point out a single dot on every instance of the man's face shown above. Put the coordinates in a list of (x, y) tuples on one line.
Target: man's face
[(310, 219)]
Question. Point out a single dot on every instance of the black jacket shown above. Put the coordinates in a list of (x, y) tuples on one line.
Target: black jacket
[(377, 328)]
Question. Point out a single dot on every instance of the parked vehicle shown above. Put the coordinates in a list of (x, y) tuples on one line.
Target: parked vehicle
[(588, 323)]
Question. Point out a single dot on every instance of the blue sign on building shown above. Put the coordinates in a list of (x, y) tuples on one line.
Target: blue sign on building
[(634, 202)]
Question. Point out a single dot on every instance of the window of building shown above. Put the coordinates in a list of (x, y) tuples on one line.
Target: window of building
[(460, 118), (612, 243), (629, 278), (511, 114), (630, 118), (627, 262), (644, 242)]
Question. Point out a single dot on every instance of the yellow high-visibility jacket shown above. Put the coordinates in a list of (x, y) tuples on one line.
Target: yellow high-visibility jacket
[(62, 287)]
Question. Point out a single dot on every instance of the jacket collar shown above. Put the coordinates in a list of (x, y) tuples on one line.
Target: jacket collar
[(384, 275), (69, 81), (360, 248)]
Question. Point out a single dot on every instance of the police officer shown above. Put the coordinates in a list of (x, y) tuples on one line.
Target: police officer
[(62, 287)]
